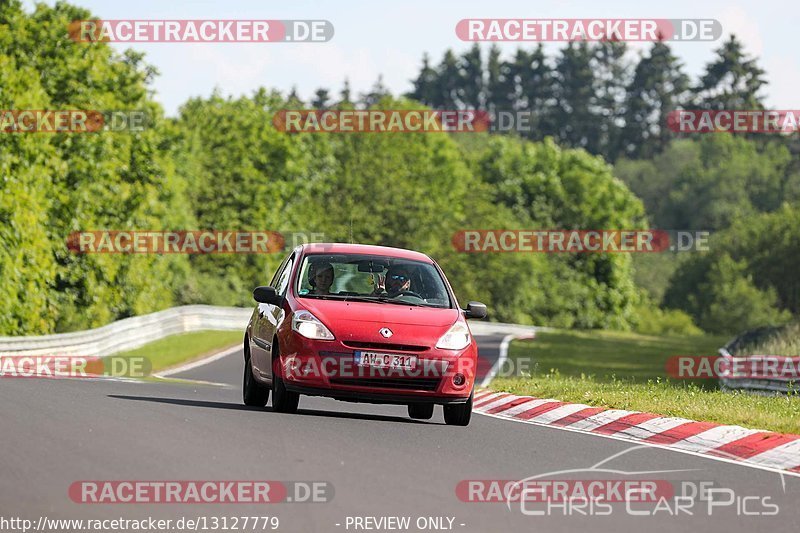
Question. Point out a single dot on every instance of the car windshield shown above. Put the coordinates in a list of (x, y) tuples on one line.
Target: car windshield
[(378, 279)]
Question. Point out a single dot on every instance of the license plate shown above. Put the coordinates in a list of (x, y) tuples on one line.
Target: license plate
[(386, 360)]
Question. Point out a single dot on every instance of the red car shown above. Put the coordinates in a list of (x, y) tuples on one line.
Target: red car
[(365, 324)]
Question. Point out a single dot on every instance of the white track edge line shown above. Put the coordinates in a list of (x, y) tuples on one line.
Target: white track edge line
[(225, 352), (500, 360)]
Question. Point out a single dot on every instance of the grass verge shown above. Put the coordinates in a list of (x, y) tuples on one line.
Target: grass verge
[(176, 349), (626, 371)]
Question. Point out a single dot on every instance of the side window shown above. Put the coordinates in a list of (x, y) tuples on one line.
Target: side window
[(283, 278), (279, 272)]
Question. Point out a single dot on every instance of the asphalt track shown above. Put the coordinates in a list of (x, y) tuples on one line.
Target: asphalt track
[(380, 463)]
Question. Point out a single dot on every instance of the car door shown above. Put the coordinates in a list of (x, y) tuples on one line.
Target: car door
[(260, 345), (270, 317)]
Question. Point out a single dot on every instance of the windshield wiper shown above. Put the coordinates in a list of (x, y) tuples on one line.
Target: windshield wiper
[(365, 299), (389, 300), (373, 299), (325, 296)]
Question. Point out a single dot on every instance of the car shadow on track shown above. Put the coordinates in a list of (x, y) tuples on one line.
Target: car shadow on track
[(192, 403), (358, 416), (239, 407)]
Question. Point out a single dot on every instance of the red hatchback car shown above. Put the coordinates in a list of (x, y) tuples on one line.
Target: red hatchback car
[(365, 324)]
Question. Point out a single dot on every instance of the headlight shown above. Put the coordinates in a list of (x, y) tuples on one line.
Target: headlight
[(456, 338), (310, 327)]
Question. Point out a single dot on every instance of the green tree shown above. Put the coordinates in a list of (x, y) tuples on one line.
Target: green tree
[(344, 94), (426, 85), (611, 74), (321, 99), (577, 124), (659, 86), (500, 88), (258, 179), (723, 298), (377, 93), (472, 92), (770, 246), (545, 186), (709, 182), (536, 91), (448, 77), (732, 80), (106, 180), (27, 166), (747, 279)]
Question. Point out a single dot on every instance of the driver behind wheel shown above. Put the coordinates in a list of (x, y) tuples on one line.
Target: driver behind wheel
[(398, 280)]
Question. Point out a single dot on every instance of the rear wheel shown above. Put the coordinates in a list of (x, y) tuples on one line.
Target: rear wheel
[(458, 414), (420, 411), (283, 401), (254, 394)]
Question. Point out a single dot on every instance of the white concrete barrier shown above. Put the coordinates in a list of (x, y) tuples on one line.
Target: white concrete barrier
[(130, 333), (770, 385)]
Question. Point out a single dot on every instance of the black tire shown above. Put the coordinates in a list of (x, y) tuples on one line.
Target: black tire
[(420, 411), (283, 401), (458, 414), (254, 394)]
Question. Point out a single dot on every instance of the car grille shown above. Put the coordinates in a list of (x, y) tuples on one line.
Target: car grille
[(335, 354), (425, 384), (385, 346)]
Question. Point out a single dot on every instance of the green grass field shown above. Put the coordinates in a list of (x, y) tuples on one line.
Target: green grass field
[(176, 349), (626, 371)]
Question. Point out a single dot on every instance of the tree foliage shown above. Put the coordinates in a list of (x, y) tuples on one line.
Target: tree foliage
[(595, 96), (708, 183), (747, 279), (54, 184), (221, 164)]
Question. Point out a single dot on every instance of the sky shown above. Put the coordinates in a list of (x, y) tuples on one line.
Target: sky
[(375, 38)]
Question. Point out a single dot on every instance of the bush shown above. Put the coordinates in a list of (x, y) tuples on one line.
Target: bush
[(719, 293), (654, 321)]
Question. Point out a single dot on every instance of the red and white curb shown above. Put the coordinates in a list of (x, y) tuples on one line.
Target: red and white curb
[(751, 447)]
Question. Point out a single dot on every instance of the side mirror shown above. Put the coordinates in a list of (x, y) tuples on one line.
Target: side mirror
[(475, 310), (267, 295)]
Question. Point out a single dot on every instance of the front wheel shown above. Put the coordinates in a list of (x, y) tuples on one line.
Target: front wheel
[(253, 393), (458, 414), (283, 401)]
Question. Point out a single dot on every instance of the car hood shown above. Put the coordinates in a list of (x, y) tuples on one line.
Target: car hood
[(363, 320)]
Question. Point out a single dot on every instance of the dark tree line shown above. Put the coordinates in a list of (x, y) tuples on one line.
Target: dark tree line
[(592, 95)]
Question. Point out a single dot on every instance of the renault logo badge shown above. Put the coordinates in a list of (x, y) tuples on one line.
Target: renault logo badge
[(386, 332)]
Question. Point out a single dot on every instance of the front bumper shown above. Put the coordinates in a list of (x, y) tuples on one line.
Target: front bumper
[(363, 396), (327, 368)]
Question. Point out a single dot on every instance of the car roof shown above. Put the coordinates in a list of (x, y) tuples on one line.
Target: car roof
[(367, 249)]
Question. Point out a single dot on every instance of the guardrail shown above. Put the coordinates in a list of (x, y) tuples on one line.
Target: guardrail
[(500, 328), (757, 385), (130, 333)]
